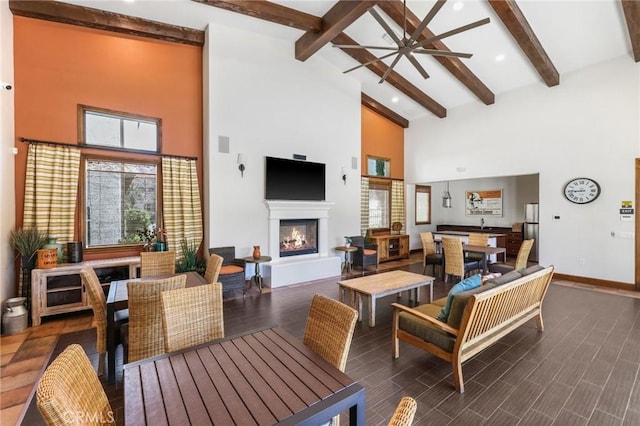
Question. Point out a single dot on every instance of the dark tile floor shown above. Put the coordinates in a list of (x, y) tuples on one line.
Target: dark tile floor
[(583, 369)]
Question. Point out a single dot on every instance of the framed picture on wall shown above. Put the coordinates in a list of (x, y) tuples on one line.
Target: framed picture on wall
[(483, 203)]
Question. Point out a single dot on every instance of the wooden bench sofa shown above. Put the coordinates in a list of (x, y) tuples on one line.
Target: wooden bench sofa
[(477, 319)]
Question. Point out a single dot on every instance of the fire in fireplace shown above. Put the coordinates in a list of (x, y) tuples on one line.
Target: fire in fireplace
[(298, 236)]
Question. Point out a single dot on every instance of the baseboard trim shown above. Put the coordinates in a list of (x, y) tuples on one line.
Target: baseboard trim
[(594, 281)]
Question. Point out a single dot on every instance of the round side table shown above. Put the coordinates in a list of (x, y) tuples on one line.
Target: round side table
[(257, 278), (347, 265)]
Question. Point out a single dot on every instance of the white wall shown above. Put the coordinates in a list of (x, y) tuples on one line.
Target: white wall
[(270, 104), (586, 126), (7, 180)]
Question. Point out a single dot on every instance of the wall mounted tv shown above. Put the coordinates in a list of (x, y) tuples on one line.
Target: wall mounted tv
[(294, 180)]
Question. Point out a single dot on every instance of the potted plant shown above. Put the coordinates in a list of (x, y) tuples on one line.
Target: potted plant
[(347, 241), (27, 242), (189, 260), (148, 237)]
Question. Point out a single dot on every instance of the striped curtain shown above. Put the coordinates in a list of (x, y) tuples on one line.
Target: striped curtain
[(51, 191), (364, 205), (397, 202), (182, 212)]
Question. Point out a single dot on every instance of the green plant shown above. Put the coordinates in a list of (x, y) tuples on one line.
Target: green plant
[(27, 241), (347, 240), (189, 260)]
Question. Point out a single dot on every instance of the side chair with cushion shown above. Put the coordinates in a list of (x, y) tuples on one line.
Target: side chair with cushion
[(430, 256), (143, 336), (70, 392), (521, 259), (214, 264), (232, 272), (455, 263), (99, 305), (405, 411), (157, 263), (191, 316), (366, 255), (478, 239)]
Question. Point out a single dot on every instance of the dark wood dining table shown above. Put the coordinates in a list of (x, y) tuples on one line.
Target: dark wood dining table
[(118, 299), (265, 377), (484, 250)]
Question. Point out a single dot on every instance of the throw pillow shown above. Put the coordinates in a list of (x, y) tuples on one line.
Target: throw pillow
[(464, 285)]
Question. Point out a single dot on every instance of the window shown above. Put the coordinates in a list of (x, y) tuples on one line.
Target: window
[(379, 204), (119, 130), (378, 167), (423, 204), (121, 201)]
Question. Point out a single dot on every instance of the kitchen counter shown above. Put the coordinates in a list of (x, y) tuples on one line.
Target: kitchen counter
[(466, 233)]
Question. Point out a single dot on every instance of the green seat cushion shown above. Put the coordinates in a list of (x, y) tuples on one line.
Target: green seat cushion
[(440, 302), (464, 285), (425, 330), (460, 303)]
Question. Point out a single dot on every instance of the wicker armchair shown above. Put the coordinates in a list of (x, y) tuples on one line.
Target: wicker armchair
[(69, 392), (142, 336), (99, 305), (191, 316), (232, 273), (157, 263), (478, 239), (406, 410), (455, 263), (430, 256), (214, 264), (366, 255), (521, 260)]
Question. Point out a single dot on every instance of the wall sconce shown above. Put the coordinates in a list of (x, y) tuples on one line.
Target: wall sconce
[(344, 177), (241, 164), (446, 198)]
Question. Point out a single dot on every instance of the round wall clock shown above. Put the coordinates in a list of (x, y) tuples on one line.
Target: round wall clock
[(581, 190)]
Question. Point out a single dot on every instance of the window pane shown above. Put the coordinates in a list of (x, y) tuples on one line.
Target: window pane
[(378, 167), (378, 208), (102, 130), (121, 201), (140, 135), (120, 130)]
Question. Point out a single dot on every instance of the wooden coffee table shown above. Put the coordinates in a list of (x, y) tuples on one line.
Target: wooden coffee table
[(379, 285)]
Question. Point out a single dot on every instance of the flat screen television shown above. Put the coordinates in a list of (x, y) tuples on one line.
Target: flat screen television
[(294, 180)]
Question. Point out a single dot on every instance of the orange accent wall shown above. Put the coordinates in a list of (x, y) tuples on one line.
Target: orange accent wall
[(59, 66), (382, 138)]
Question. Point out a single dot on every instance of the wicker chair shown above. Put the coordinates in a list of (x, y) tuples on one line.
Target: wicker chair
[(69, 392), (157, 263), (328, 332), (191, 316), (214, 264), (366, 255), (454, 261), (99, 305), (478, 239), (403, 416), (142, 336), (232, 272), (521, 260), (430, 256)]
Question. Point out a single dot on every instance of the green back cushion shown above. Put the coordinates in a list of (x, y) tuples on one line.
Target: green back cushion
[(530, 270), (460, 303), (464, 285), (506, 278)]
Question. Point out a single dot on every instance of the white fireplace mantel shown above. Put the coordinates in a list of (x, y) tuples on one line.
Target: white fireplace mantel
[(307, 267)]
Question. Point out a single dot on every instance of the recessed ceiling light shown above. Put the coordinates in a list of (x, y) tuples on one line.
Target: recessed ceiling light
[(388, 39), (395, 99), (458, 6), (500, 58)]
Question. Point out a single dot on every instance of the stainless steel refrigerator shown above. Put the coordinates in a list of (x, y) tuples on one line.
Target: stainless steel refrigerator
[(531, 227)]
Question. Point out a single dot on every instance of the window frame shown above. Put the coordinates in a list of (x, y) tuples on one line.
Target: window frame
[(375, 158), (381, 185), (423, 189)]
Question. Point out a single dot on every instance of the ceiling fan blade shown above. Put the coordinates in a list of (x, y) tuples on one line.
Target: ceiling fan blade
[(452, 32), (416, 64), (357, 46), (369, 63), (388, 71), (386, 26), (435, 9), (435, 52)]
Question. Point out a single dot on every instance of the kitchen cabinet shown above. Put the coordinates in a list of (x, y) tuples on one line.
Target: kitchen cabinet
[(391, 247)]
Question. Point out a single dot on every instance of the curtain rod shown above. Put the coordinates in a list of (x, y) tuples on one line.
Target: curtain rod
[(107, 148)]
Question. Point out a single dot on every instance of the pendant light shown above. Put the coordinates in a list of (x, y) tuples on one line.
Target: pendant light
[(446, 198)]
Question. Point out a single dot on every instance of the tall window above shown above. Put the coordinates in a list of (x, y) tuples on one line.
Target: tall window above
[(378, 166), (121, 201), (379, 204), (119, 130)]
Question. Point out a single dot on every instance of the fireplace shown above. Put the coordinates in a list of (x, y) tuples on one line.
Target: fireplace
[(298, 236)]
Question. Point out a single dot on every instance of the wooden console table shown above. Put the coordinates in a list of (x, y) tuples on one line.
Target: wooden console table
[(391, 246), (59, 290)]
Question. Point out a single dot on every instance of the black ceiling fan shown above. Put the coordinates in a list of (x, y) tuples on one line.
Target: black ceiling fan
[(408, 46)]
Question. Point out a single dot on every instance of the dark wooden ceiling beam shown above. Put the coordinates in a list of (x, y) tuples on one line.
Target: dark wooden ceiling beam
[(336, 20), (99, 19), (395, 10), (378, 108), (271, 12), (396, 80), (516, 23), (631, 10)]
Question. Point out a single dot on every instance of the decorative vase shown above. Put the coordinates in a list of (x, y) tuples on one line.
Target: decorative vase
[(256, 252), (53, 244), (160, 246), (74, 252), (47, 258)]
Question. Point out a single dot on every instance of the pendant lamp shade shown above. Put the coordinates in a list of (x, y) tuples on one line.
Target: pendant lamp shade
[(446, 198)]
